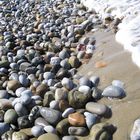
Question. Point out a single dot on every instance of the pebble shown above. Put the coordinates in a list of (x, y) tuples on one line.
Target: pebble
[(48, 136), (19, 136), (37, 130), (84, 81), (24, 122), (50, 129), (67, 83), (135, 133), (79, 131), (60, 94), (69, 138), (54, 104), (76, 119), (62, 127), (3, 94), (10, 116), (77, 99), (85, 89), (96, 108), (113, 92), (68, 111), (50, 115), (90, 118), (4, 127), (95, 80), (118, 83), (41, 121)]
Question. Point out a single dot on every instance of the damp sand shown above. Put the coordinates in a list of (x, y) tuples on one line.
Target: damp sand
[(119, 66)]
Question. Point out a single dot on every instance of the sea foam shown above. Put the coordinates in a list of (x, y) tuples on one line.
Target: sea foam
[(129, 30)]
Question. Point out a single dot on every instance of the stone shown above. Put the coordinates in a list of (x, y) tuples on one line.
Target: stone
[(76, 119), (19, 136), (77, 99), (41, 90), (67, 83), (25, 99), (118, 83), (7, 135), (91, 119), (113, 92), (2, 115), (69, 138), (62, 127), (23, 80), (96, 108), (60, 94), (49, 136), (41, 121), (48, 97), (84, 81), (4, 127), (68, 111), (50, 129), (102, 131), (63, 54), (48, 75), (95, 80), (96, 93), (79, 131), (74, 62), (37, 130), (20, 109), (63, 104), (135, 133), (5, 104), (3, 94), (51, 116), (24, 122), (13, 85), (85, 89), (19, 91), (10, 116), (54, 104)]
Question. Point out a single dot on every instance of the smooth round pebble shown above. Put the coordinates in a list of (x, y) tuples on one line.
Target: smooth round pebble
[(49, 136), (37, 130), (50, 129)]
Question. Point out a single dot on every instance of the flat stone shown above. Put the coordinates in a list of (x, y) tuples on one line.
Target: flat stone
[(96, 108), (76, 119), (51, 116)]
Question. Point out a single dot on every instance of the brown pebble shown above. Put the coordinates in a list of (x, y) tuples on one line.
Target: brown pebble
[(100, 64), (63, 104), (41, 90), (13, 85), (76, 119)]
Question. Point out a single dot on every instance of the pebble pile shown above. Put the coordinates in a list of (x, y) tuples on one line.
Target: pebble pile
[(41, 96)]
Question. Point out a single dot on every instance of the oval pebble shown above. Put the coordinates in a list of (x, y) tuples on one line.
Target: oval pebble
[(67, 112), (37, 130)]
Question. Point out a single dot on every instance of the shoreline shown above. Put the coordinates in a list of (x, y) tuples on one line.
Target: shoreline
[(119, 67)]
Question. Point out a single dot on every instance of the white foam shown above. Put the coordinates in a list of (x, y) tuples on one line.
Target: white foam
[(129, 30)]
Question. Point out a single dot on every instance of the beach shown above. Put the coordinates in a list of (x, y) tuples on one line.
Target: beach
[(119, 67)]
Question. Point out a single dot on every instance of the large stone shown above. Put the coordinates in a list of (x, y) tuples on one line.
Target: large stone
[(19, 136), (76, 119), (77, 99), (4, 127), (96, 108), (62, 127), (10, 116), (52, 116), (13, 85), (49, 136), (113, 92), (74, 62)]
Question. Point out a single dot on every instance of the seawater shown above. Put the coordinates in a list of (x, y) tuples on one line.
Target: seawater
[(129, 30)]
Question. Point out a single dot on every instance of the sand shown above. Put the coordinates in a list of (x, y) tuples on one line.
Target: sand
[(119, 67)]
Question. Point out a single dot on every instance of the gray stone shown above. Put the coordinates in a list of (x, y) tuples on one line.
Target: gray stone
[(10, 116), (37, 130), (50, 129), (118, 83), (51, 116), (4, 127), (24, 122), (84, 81), (79, 131), (91, 119), (85, 89), (67, 112), (60, 94), (69, 138), (41, 121), (25, 99), (23, 80), (67, 83), (113, 92), (96, 108), (3, 94), (54, 104)]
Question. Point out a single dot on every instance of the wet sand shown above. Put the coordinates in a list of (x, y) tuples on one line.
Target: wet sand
[(119, 67)]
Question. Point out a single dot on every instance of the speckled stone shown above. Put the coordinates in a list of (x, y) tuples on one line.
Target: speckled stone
[(19, 136)]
